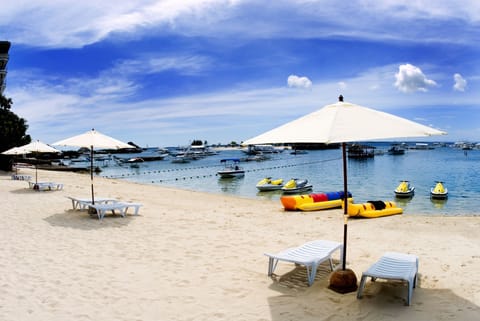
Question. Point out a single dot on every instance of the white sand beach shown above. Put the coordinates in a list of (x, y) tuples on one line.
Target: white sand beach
[(197, 256)]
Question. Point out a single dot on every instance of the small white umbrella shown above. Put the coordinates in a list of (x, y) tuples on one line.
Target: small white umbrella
[(33, 147), (344, 122), (91, 140)]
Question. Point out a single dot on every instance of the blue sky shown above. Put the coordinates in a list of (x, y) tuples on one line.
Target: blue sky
[(162, 73)]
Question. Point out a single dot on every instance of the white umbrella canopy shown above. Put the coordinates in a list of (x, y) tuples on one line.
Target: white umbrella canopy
[(93, 139), (344, 122), (14, 151), (33, 147)]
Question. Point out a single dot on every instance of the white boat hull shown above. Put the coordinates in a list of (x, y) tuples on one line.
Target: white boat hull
[(231, 174), (438, 196), (297, 189), (406, 194), (269, 187)]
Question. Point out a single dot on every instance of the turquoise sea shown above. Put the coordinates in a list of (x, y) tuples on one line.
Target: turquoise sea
[(368, 179)]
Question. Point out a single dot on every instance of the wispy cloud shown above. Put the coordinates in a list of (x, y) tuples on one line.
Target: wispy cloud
[(61, 23), (148, 64)]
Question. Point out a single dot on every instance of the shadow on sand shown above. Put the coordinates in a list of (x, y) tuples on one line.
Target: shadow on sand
[(381, 300)]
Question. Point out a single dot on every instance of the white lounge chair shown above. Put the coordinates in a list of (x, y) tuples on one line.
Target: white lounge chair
[(310, 255), (121, 207), (45, 186), (84, 203), (393, 266)]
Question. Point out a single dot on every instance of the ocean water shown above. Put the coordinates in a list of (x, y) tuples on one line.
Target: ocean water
[(369, 179)]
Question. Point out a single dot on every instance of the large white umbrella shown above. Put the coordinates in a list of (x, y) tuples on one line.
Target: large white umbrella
[(91, 140), (344, 122), (33, 147)]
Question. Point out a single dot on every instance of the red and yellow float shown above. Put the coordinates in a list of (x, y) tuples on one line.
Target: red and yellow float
[(314, 201)]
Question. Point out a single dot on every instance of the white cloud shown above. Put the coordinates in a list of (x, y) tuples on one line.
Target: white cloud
[(411, 78), (460, 82), (299, 82)]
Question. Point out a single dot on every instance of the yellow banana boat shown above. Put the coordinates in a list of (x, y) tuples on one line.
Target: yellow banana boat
[(373, 209)]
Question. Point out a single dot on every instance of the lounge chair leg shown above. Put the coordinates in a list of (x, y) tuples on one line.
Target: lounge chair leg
[(311, 274), (270, 266), (362, 285), (410, 292)]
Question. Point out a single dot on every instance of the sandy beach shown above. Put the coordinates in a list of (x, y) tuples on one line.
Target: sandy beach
[(197, 256)]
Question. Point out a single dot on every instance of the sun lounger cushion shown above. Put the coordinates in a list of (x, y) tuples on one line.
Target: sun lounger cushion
[(310, 255), (393, 266)]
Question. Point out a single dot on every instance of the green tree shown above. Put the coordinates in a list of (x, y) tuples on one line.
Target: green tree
[(12, 131)]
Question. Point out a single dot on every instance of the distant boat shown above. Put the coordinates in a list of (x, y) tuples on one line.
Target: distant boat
[(261, 149), (180, 159), (396, 150), (135, 160), (298, 152), (361, 151)]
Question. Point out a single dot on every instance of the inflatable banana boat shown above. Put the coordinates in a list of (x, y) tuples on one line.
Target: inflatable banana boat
[(313, 202), (373, 209)]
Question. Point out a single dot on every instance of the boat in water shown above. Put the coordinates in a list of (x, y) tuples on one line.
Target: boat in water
[(396, 150), (296, 185), (404, 189), (439, 191), (269, 184), (231, 168)]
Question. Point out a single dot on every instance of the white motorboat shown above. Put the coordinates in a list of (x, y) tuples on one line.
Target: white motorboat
[(231, 168)]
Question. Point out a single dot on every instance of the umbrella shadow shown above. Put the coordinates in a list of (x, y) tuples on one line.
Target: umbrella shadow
[(296, 280), (25, 190), (83, 221), (382, 300)]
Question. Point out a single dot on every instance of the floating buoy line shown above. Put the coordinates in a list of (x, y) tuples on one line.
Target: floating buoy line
[(181, 178)]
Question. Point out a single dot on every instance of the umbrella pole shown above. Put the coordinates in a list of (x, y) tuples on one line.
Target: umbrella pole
[(345, 203), (36, 169), (91, 172), (344, 280)]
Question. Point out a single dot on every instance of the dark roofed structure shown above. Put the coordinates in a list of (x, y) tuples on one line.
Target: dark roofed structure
[(4, 48)]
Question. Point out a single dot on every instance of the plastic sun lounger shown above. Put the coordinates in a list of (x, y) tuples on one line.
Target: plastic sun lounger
[(122, 207), (45, 186), (84, 203), (310, 255), (393, 266), (19, 177)]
